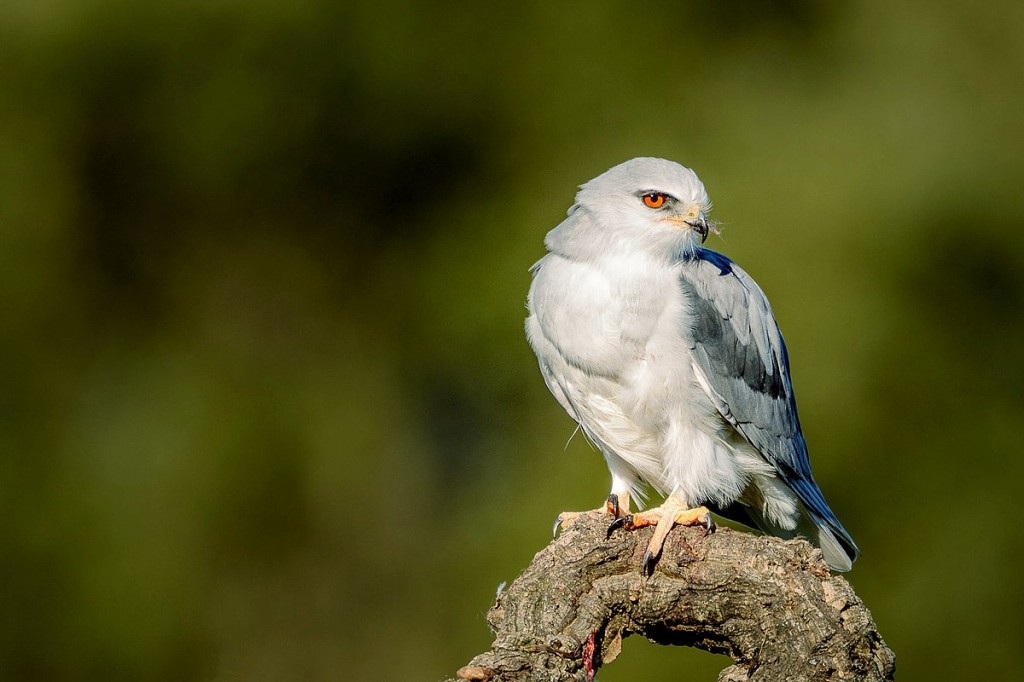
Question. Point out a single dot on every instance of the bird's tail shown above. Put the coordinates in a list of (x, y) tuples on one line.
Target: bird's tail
[(821, 528), (819, 525), (836, 545)]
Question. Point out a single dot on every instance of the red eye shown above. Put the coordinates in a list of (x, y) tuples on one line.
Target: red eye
[(654, 200)]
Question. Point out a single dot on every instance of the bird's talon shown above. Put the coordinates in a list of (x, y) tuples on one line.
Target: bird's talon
[(709, 525), (612, 505), (619, 522), (647, 565), (558, 524)]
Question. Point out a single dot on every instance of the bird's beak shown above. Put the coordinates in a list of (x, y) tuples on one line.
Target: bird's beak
[(698, 222)]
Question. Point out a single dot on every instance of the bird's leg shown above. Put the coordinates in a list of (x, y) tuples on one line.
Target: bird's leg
[(617, 505), (674, 512)]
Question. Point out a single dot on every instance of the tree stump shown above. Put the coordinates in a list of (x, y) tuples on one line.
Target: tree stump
[(770, 604)]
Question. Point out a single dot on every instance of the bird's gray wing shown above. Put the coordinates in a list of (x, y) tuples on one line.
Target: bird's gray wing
[(737, 346)]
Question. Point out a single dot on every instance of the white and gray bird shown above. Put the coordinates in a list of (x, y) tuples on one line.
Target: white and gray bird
[(668, 356)]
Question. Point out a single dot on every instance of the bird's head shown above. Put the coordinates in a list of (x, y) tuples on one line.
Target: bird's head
[(645, 203)]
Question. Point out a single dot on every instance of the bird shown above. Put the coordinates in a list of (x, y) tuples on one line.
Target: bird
[(669, 358)]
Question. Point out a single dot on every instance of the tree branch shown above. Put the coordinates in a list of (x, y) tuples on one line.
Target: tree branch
[(772, 605)]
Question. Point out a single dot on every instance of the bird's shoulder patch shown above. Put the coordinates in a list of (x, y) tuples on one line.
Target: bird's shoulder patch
[(724, 265)]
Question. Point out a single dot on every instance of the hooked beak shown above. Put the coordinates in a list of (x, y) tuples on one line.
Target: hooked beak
[(699, 224), (694, 219)]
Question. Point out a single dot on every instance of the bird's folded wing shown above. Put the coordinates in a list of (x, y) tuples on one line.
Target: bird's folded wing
[(740, 355)]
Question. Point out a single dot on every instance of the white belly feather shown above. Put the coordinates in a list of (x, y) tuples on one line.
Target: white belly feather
[(613, 355)]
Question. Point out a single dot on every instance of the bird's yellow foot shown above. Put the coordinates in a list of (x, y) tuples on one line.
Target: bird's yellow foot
[(616, 505), (663, 518)]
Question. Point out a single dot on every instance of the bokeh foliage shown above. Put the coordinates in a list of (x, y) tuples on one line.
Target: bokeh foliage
[(267, 409)]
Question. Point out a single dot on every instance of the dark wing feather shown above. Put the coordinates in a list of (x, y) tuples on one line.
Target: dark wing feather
[(738, 347)]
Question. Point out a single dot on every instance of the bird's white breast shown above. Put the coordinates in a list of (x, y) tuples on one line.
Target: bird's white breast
[(608, 335), (600, 316)]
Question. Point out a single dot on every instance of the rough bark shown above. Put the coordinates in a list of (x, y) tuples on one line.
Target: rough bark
[(772, 605)]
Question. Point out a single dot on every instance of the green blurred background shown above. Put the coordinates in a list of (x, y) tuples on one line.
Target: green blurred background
[(268, 412)]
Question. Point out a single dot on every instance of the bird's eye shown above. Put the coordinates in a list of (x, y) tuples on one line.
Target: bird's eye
[(654, 200)]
